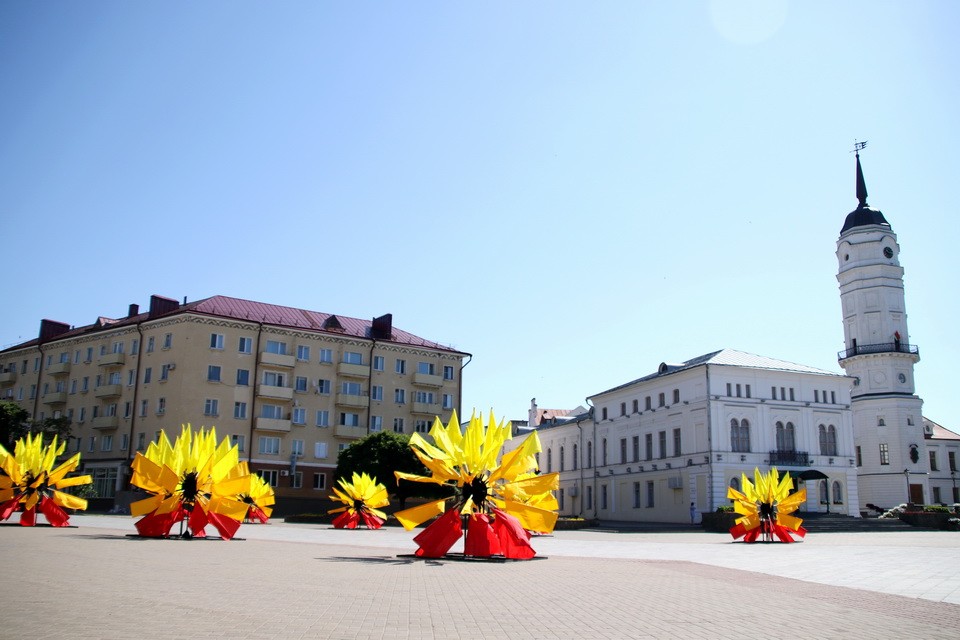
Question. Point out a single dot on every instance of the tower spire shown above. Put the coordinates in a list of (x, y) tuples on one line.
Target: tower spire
[(861, 183)]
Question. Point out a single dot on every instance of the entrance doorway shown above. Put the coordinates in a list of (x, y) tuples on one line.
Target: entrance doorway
[(916, 493)]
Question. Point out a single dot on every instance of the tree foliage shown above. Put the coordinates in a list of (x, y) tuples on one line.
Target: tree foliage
[(15, 423), (379, 455)]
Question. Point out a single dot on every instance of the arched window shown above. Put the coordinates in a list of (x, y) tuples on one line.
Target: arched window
[(740, 436), (831, 440), (576, 458), (549, 460), (589, 455), (837, 493), (786, 437), (823, 492), (822, 434), (735, 483), (561, 460)]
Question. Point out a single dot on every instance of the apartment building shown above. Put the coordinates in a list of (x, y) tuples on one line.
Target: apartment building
[(290, 387)]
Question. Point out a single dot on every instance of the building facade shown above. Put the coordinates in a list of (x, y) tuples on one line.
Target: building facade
[(651, 449), (289, 387)]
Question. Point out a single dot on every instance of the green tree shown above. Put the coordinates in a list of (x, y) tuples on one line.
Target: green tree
[(14, 424), (379, 455)]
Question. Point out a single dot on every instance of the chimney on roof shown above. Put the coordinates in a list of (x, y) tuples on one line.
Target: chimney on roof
[(50, 329), (133, 310), (382, 328), (160, 305)]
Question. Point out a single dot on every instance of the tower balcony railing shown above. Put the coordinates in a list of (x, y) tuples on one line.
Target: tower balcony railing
[(885, 347), (790, 458)]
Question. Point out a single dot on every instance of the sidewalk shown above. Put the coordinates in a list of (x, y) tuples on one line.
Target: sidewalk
[(311, 581)]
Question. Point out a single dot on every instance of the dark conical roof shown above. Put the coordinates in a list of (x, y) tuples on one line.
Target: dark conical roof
[(863, 215)]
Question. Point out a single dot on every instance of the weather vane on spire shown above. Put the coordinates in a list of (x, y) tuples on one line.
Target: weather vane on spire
[(857, 146)]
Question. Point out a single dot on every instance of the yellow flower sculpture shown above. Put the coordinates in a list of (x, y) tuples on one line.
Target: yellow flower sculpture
[(193, 480), (258, 496), (766, 505), (28, 478), (362, 498), (500, 499)]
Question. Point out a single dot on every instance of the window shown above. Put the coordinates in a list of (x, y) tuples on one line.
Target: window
[(269, 445), (589, 454), (147, 374), (859, 457), (636, 406), (623, 450), (589, 499), (168, 341), (399, 396), (421, 426), (786, 437), (636, 448), (952, 460), (245, 345), (884, 453), (323, 387), (748, 391), (213, 373), (376, 423), (320, 450), (647, 405), (816, 395), (73, 386), (326, 355), (933, 463), (376, 392), (560, 500), (623, 408), (320, 479), (424, 397), (273, 379), (738, 389), (603, 451), (271, 412), (296, 480), (398, 425), (127, 409), (352, 357), (83, 387), (243, 377), (269, 476), (114, 378), (118, 347), (92, 444), (277, 347), (636, 495), (141, 441), (300, 384), (833, 397), (936, 494), (562, 463), (323, 418), (648, 446), (350, 388), (576, 457), (296, 447), (447, 372), (828, 440), (676, 442), (161, 405), (773, 392), (216, 341), (426, 368), (603, 496), (303, 353), (447, 401), (603, 413), (662, 442), (783, 393), (791, 394), (239, 410), (106, 443), (739, 436), (662, 400), (676, 395), (299, 415), (401, 366), (105, 482), (124, 441), (150, 347), (164, 372), (131, 377), (349, 419), (144, 407), (650, 493), (210, 407), (822, 486)]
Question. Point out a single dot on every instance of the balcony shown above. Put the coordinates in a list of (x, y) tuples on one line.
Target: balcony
[(56, 397), (353, 433), (272, 424), (112, 360), (790, 458), (426, 408), (59, 368), (350, 400), (8, 377), (108, 391), (275, 393), (277, 360), (885, 347), (427, 380), (105, 423), (353, 370)]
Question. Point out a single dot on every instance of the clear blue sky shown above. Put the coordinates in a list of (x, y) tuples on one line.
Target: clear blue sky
[(572, 192)]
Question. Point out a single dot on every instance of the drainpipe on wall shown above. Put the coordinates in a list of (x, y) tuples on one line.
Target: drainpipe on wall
[(710, 505), (136, 389), (593, 462), (36, 394), (373, 345), (460, 388), (253, 398), (579, 463)]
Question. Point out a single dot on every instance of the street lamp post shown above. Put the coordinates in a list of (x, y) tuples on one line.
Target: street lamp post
[(906, 474)]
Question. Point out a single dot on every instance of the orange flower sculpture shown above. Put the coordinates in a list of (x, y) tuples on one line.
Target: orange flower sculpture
[(259, 497), (193, 481), (28, 479), (766, 505), (499, 500), (362, 498)]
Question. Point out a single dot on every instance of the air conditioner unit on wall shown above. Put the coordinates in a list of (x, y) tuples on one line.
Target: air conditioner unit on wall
[(284, 473)]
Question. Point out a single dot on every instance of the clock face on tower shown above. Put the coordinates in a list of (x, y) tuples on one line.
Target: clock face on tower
[(888, 252)]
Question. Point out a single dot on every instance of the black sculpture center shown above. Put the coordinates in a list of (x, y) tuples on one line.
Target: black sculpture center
[(189, 487)]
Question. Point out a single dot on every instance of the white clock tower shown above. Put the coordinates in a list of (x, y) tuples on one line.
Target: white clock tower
[(888, 429)]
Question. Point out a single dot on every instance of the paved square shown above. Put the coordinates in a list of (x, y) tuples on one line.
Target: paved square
[(310, 581)]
